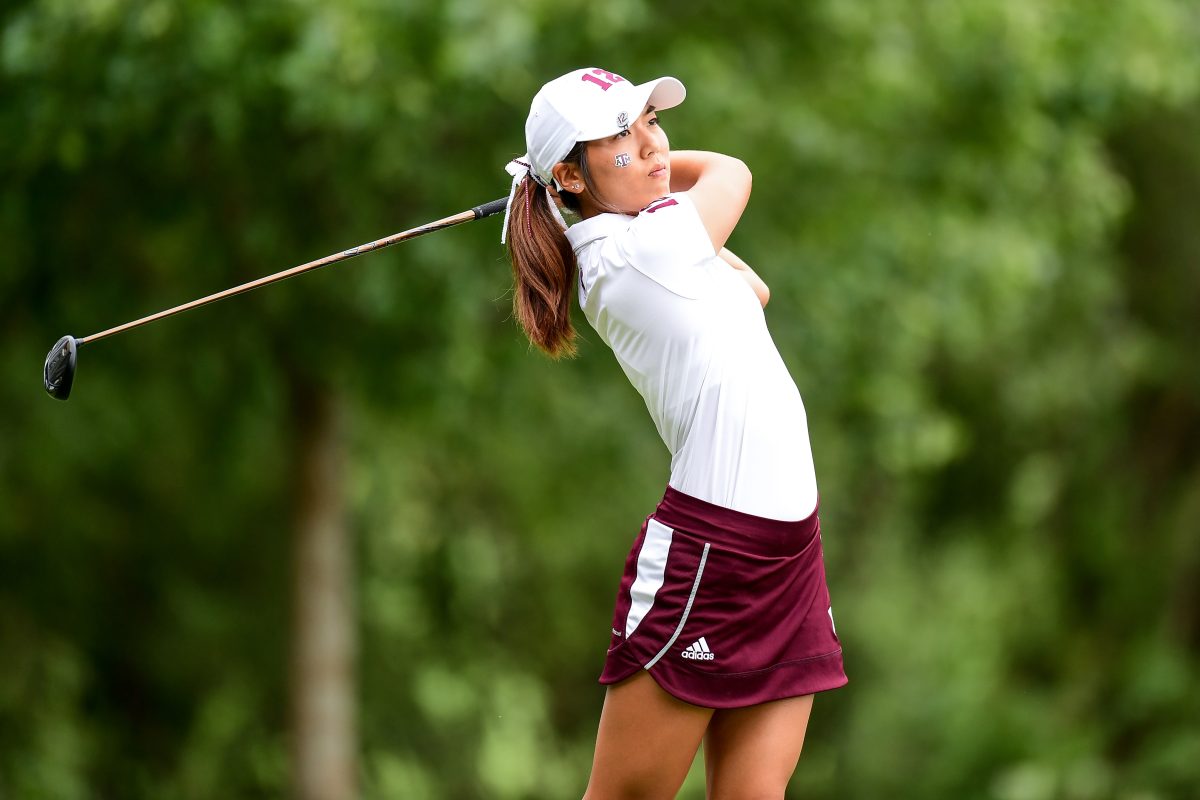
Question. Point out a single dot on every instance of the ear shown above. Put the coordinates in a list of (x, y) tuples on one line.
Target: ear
[(569, 176)]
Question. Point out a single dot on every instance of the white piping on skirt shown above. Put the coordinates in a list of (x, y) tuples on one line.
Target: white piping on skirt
[(687, 609)]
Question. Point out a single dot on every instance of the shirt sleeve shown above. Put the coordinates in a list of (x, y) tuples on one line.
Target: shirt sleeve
[(667, 242)]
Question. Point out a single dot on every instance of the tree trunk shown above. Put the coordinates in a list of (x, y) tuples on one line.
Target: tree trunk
[(324, 746)]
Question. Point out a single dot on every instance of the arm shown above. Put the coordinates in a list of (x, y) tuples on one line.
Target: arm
[(756, 283), (718, 185)]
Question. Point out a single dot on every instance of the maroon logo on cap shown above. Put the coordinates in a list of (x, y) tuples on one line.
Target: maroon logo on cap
[(602, 78)]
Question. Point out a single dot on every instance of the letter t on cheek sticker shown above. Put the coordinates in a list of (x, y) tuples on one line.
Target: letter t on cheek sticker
[(622, 160)]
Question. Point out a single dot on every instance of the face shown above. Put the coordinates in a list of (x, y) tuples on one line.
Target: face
[(629, 170)]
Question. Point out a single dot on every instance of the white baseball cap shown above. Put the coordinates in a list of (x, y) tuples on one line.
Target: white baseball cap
[(586, 104)]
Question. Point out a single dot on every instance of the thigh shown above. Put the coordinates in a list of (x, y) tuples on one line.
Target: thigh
[(752, 752), (646, 742)]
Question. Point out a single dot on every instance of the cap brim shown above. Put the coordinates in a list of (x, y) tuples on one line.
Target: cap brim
[(665, 93), (661, 93)]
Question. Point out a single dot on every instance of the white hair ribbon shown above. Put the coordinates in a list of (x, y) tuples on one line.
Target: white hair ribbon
[(520, 168)]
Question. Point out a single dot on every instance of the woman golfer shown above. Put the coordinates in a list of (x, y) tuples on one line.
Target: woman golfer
[(723, 629)]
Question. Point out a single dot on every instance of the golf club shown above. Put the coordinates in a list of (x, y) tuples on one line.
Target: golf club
[(59, 372)]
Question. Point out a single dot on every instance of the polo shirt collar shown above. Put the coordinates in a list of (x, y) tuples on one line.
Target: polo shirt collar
[(597, 227)]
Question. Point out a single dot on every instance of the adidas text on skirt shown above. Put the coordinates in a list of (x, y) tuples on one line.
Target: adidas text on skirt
[(725, 609)]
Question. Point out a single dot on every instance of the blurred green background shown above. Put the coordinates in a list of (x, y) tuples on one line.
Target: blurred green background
[(980, 221)]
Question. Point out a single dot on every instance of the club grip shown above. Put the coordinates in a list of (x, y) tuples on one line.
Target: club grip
[(488, 209)]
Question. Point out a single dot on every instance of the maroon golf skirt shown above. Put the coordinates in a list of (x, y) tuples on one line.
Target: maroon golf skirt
[(725, 609)]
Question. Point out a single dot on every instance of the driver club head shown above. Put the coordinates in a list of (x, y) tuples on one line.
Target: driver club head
[(60, 368)]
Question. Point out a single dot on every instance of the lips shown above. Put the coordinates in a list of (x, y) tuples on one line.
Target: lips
[(659, 172)]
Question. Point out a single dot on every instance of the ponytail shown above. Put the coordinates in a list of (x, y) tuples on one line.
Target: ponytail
[(543, 271)]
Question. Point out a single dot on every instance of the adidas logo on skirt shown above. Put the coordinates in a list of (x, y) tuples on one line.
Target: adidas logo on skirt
[(698, 651)]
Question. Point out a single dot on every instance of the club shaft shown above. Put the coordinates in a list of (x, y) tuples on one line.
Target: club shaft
[(485, 210)]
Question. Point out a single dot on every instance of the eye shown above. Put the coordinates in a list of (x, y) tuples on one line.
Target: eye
[(622, 134), (652, 121)]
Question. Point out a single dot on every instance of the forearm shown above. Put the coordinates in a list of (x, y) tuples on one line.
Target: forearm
[(718, 185), (749, 275), (688, 165)]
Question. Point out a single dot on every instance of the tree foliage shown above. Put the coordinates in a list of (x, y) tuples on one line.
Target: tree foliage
[(978, 223)]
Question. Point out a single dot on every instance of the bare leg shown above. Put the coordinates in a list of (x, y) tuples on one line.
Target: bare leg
[(750, 753), (646, 742)]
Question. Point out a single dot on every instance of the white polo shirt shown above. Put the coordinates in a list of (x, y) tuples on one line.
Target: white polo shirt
[(692, 338)]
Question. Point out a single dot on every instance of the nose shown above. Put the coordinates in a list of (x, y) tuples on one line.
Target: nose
[(648, 142)]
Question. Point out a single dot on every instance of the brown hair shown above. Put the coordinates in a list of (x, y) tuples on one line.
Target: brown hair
[(543, 263)]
